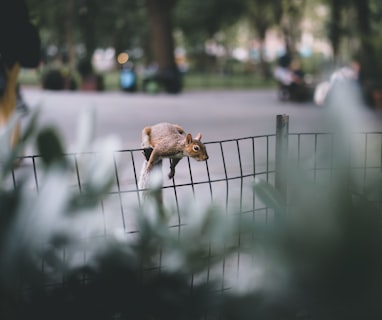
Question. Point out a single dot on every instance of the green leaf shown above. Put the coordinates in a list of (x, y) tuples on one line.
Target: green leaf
[(270, 197), (49, 146)]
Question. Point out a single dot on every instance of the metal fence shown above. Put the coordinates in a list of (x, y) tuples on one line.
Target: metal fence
[(226, 178)]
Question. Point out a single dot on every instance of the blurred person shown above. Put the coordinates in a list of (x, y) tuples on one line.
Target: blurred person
[(291, 79), (128, 77), (282, 73), (350, 72), (20, 47)]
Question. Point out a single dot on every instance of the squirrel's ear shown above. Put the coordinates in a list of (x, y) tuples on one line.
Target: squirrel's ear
[(188, 138), (198, 136)]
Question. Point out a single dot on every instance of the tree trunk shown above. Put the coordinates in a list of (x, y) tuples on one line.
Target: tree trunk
[(370, 76), (264, 66), (261, 26), (87, 20), (69, 33), (162, 43), (363, 10), (290, 24), (363, 21), (335, 26)]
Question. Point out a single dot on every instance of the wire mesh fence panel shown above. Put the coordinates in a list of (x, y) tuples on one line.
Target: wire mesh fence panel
[(225, 180), (322, 156), (366, 164), (312, 153)]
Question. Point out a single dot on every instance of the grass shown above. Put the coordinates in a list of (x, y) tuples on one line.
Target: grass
[(192, 81), (29, 77), (225, 81)]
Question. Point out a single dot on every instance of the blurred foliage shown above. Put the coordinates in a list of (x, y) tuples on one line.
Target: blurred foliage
[(77, 28), (86, 25), (354, 30), (201, 20), (319, 258)]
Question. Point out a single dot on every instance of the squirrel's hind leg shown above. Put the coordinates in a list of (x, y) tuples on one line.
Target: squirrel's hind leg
[(146, 137), (153, 159), (150, 159), (173, 163)]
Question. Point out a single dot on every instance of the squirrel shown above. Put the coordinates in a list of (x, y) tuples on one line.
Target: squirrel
[(167, 140)]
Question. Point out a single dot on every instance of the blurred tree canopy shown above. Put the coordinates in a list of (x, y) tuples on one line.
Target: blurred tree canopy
[(201, 19), (351, 26), (119, 24)]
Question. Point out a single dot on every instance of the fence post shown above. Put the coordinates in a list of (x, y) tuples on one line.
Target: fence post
[(282, 132)]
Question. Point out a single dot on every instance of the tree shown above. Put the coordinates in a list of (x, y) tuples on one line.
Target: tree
[(87, 13), (160, 14), (369, 13), (263, 14), (364, 29), (335, 29), (201, 20), (291, 14), (121, 24), (54, 20)]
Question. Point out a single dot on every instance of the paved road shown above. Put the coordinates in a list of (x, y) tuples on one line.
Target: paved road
[(217, 115)]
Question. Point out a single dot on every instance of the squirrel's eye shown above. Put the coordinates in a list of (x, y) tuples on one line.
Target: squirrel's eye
[(196, 148)]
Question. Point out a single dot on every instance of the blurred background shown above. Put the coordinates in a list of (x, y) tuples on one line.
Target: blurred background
[(180, 45)]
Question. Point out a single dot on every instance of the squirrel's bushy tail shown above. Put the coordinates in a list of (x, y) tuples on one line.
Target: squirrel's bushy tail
[(143, 176)]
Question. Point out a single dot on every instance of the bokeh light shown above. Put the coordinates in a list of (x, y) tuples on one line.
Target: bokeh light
[(122, 58)]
